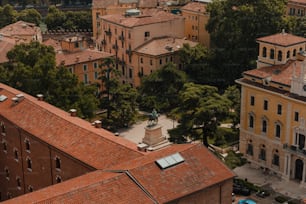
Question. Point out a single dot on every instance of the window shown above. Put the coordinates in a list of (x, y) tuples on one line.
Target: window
[(160, 61), (58, 179), (275, 159), (262, 153), (264, 52), (277, 130), (96, 75), (288, 54), (264, 126), (29, 164), (294, 53), (57, 163), (130, 73), (71, 70), (30, 188), (18, 181), (129, 35), (95, 65), (85, 67), (76, 44), (16, 154), (265, 105), (251, 121), (279, 109), (252, 101), (9, 195), (85, 79), (4, 144), (123, 71), (250, 148), (27, 144), (7, 173), (296, 116), (151, 62), (280, 56), (271, 54), (147, 34), (141, 60), (3, 130)]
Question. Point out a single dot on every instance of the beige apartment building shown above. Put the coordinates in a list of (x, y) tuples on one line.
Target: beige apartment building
[(122, 34), (273, 108), (196, 18)]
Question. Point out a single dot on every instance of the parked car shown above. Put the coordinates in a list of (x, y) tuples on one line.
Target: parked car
[(240, 189), (262, 194)]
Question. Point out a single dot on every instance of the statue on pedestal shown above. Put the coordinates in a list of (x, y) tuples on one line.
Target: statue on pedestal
[(153, 118)]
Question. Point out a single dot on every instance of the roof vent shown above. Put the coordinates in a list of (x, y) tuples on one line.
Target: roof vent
[(40, 97), (17, 98), (73, 112)]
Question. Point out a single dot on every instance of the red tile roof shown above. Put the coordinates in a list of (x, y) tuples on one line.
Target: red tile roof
[(303, 2), (88, 55), (148, 16), (20, 28), (6, 44), (124, 186), (162, 46), (282, 39), (195, 7), (109, 3), (53, 43), (95, 147), (281, 74)]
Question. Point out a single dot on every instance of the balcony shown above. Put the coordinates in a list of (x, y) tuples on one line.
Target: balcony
[(294, 149)]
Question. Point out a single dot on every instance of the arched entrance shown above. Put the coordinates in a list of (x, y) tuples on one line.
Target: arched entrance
[(299, 169)]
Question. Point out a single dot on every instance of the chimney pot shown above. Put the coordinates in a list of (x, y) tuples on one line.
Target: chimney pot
[(98, 124), (73, 112), (40, 97)]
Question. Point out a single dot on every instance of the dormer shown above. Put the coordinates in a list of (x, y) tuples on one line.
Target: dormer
[(277, 49), (298, 81)]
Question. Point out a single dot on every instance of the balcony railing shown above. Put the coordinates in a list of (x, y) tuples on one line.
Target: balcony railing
[(295, 149)]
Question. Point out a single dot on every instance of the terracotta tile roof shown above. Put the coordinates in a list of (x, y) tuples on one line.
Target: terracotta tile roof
[(303, 2), (102, 3), (53, 43), (195, 7), (6, 44), (162, 46), (20, 28), (279, 73), (190, 176), (282, 39), (94, 187), (95, 147), (148, 16), (80, 57)]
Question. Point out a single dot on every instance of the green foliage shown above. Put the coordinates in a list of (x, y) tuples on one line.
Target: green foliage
[(199, 111), (160, 89), (29, 15), (32, 69), (57, 19), (7, 15), (233, 160), (232, 93), (234, 27)]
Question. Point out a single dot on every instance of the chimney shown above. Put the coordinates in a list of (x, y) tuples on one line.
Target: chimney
[(15, 100), (40, 97), (73, 112), (97, 124)]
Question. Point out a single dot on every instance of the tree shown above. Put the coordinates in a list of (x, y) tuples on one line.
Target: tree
[(199, 112), (32, 69), (234, 27), (232, 93), (30, 15), (7, 15), (119, 100), (55, 18), (160, 89)]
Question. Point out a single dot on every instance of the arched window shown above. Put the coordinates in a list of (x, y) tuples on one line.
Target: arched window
[(271, 53), (4, 145), (275, 159), (277, 130), (280, 56), (288, 54), (294, 53), (27, 144), (18, 181), (264, 126), (57, 163), (29, 163), (16, 154), (3, 130), (7, 173), (58, 179), (262, 152), (264, 52), (251, 120), (250, 148)]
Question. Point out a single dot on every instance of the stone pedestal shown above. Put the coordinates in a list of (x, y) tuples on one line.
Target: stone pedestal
[(153, 135)]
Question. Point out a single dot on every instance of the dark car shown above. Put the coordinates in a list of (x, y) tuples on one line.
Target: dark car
[(241, 190), (262, 194)]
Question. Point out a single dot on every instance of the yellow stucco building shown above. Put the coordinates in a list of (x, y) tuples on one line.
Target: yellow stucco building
[(273, 108)]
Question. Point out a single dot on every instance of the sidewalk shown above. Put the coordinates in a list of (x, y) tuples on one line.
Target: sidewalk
[(256, 176)]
